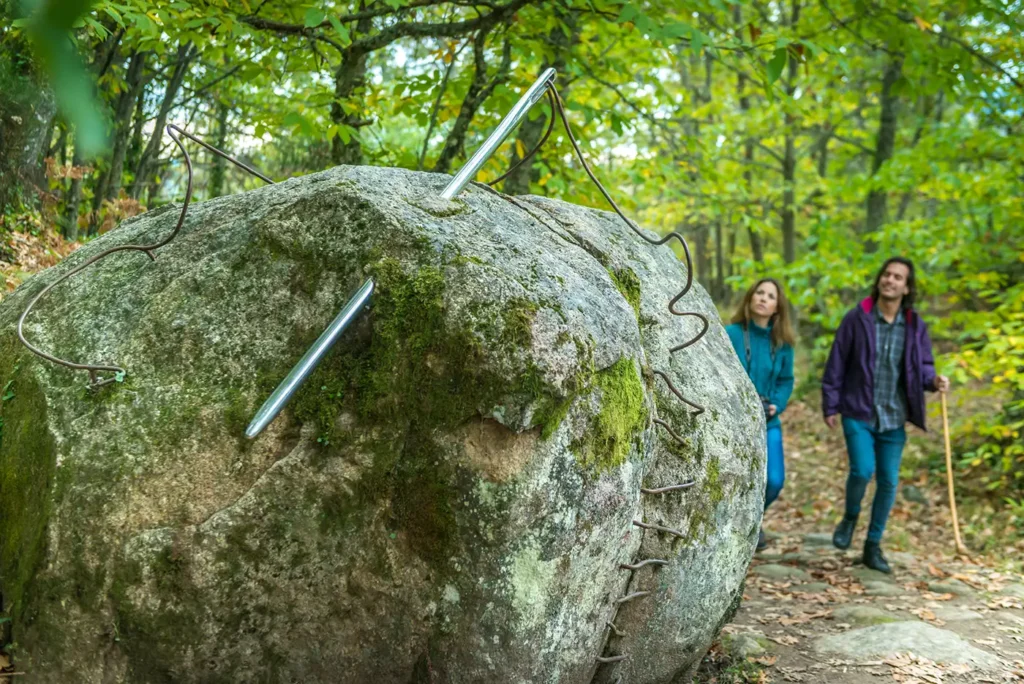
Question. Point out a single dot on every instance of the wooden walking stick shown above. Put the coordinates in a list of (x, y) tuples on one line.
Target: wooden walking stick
[(960, 549)]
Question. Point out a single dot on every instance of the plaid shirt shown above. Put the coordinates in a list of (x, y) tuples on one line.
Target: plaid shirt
[(890, 392)]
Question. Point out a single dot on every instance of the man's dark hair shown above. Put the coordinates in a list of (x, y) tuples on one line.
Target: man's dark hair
[(908, 299)]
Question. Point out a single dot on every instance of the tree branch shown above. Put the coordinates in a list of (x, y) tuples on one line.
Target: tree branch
[(854, 143)]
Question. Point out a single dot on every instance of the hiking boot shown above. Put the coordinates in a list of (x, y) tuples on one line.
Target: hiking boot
[(762, 543), (874, 559), (843, 535)]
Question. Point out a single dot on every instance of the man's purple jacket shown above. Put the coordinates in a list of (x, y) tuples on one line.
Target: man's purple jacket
[(849, 384)]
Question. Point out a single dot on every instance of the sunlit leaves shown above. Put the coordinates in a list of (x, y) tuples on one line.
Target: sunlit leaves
[(314, 17)]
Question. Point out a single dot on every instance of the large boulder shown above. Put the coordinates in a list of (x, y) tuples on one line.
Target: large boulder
[(449, 498)]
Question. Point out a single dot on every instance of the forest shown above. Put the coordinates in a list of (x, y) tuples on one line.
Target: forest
[(806, 140)]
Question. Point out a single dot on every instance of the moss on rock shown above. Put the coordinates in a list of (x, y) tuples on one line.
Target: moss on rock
[(628, 284), (621, 420), (27, 468)]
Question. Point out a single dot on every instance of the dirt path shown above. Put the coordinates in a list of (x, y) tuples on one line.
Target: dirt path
[(812, 613)]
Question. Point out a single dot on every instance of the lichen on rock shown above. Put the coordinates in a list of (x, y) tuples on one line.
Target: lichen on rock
[(451, 494)]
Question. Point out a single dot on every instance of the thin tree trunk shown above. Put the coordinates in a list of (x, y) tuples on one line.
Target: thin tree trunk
[(349, 78), (479, 90), (74, 197), (432, 123), (756, 248), (123, 122), (789, 157), (218, 163), (139, 120), (186, 53), (877, 202), (719, 288)]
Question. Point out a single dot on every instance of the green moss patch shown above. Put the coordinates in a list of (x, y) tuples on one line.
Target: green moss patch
[(628, 284), (621, 420)]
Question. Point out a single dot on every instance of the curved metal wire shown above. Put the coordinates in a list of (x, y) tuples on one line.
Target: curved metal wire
[(705, 324), (536, 148), (95, 379)]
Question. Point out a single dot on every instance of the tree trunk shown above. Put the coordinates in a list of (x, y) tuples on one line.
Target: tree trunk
[(348, 79), (719, 289), (877, 204), (789, 157), (218, 163), (139, 120), (479, 90), (123, 123), (74, 198), (186, 53), (756, 248), (703, 260)]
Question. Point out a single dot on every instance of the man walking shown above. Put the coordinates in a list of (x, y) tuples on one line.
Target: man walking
[(879, 367)]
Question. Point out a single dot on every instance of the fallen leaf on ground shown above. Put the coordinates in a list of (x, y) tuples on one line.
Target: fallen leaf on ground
[(936, 597), (804, 617), (785, 640)]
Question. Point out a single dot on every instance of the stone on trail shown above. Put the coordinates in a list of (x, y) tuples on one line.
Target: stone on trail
[(746, 645), (955, 614), (919, 638), (450, 495), (867, 574), (812, 588), (914, 494), (951, 586), (901, 559), (863, 615), (880, 588), (818, 539), (773, 571), (1015, 590)]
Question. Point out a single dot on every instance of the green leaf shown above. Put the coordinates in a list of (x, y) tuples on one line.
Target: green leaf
[(697, 41), (775, 66), (314, 17), (119, 376), (627, 14), (114, 15), (340, 29), (676, 30)]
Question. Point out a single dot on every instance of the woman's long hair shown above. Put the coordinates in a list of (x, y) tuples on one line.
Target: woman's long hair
[(782, 329)]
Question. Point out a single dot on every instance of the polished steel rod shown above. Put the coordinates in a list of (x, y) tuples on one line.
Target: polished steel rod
[(511, 120), (273, 405)]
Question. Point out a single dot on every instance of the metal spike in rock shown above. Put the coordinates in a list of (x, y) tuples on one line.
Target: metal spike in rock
[(670, 488), (643, 564)]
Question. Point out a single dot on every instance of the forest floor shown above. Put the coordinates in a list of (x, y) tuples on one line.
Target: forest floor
[(813, 613)]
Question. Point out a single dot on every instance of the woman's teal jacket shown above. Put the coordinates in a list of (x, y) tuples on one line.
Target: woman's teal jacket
[(772, 380)]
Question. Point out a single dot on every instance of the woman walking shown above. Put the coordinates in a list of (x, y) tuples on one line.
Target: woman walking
[(763, 338)]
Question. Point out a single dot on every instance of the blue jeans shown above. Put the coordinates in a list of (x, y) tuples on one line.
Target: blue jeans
[(776, 466), (872, 452)]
